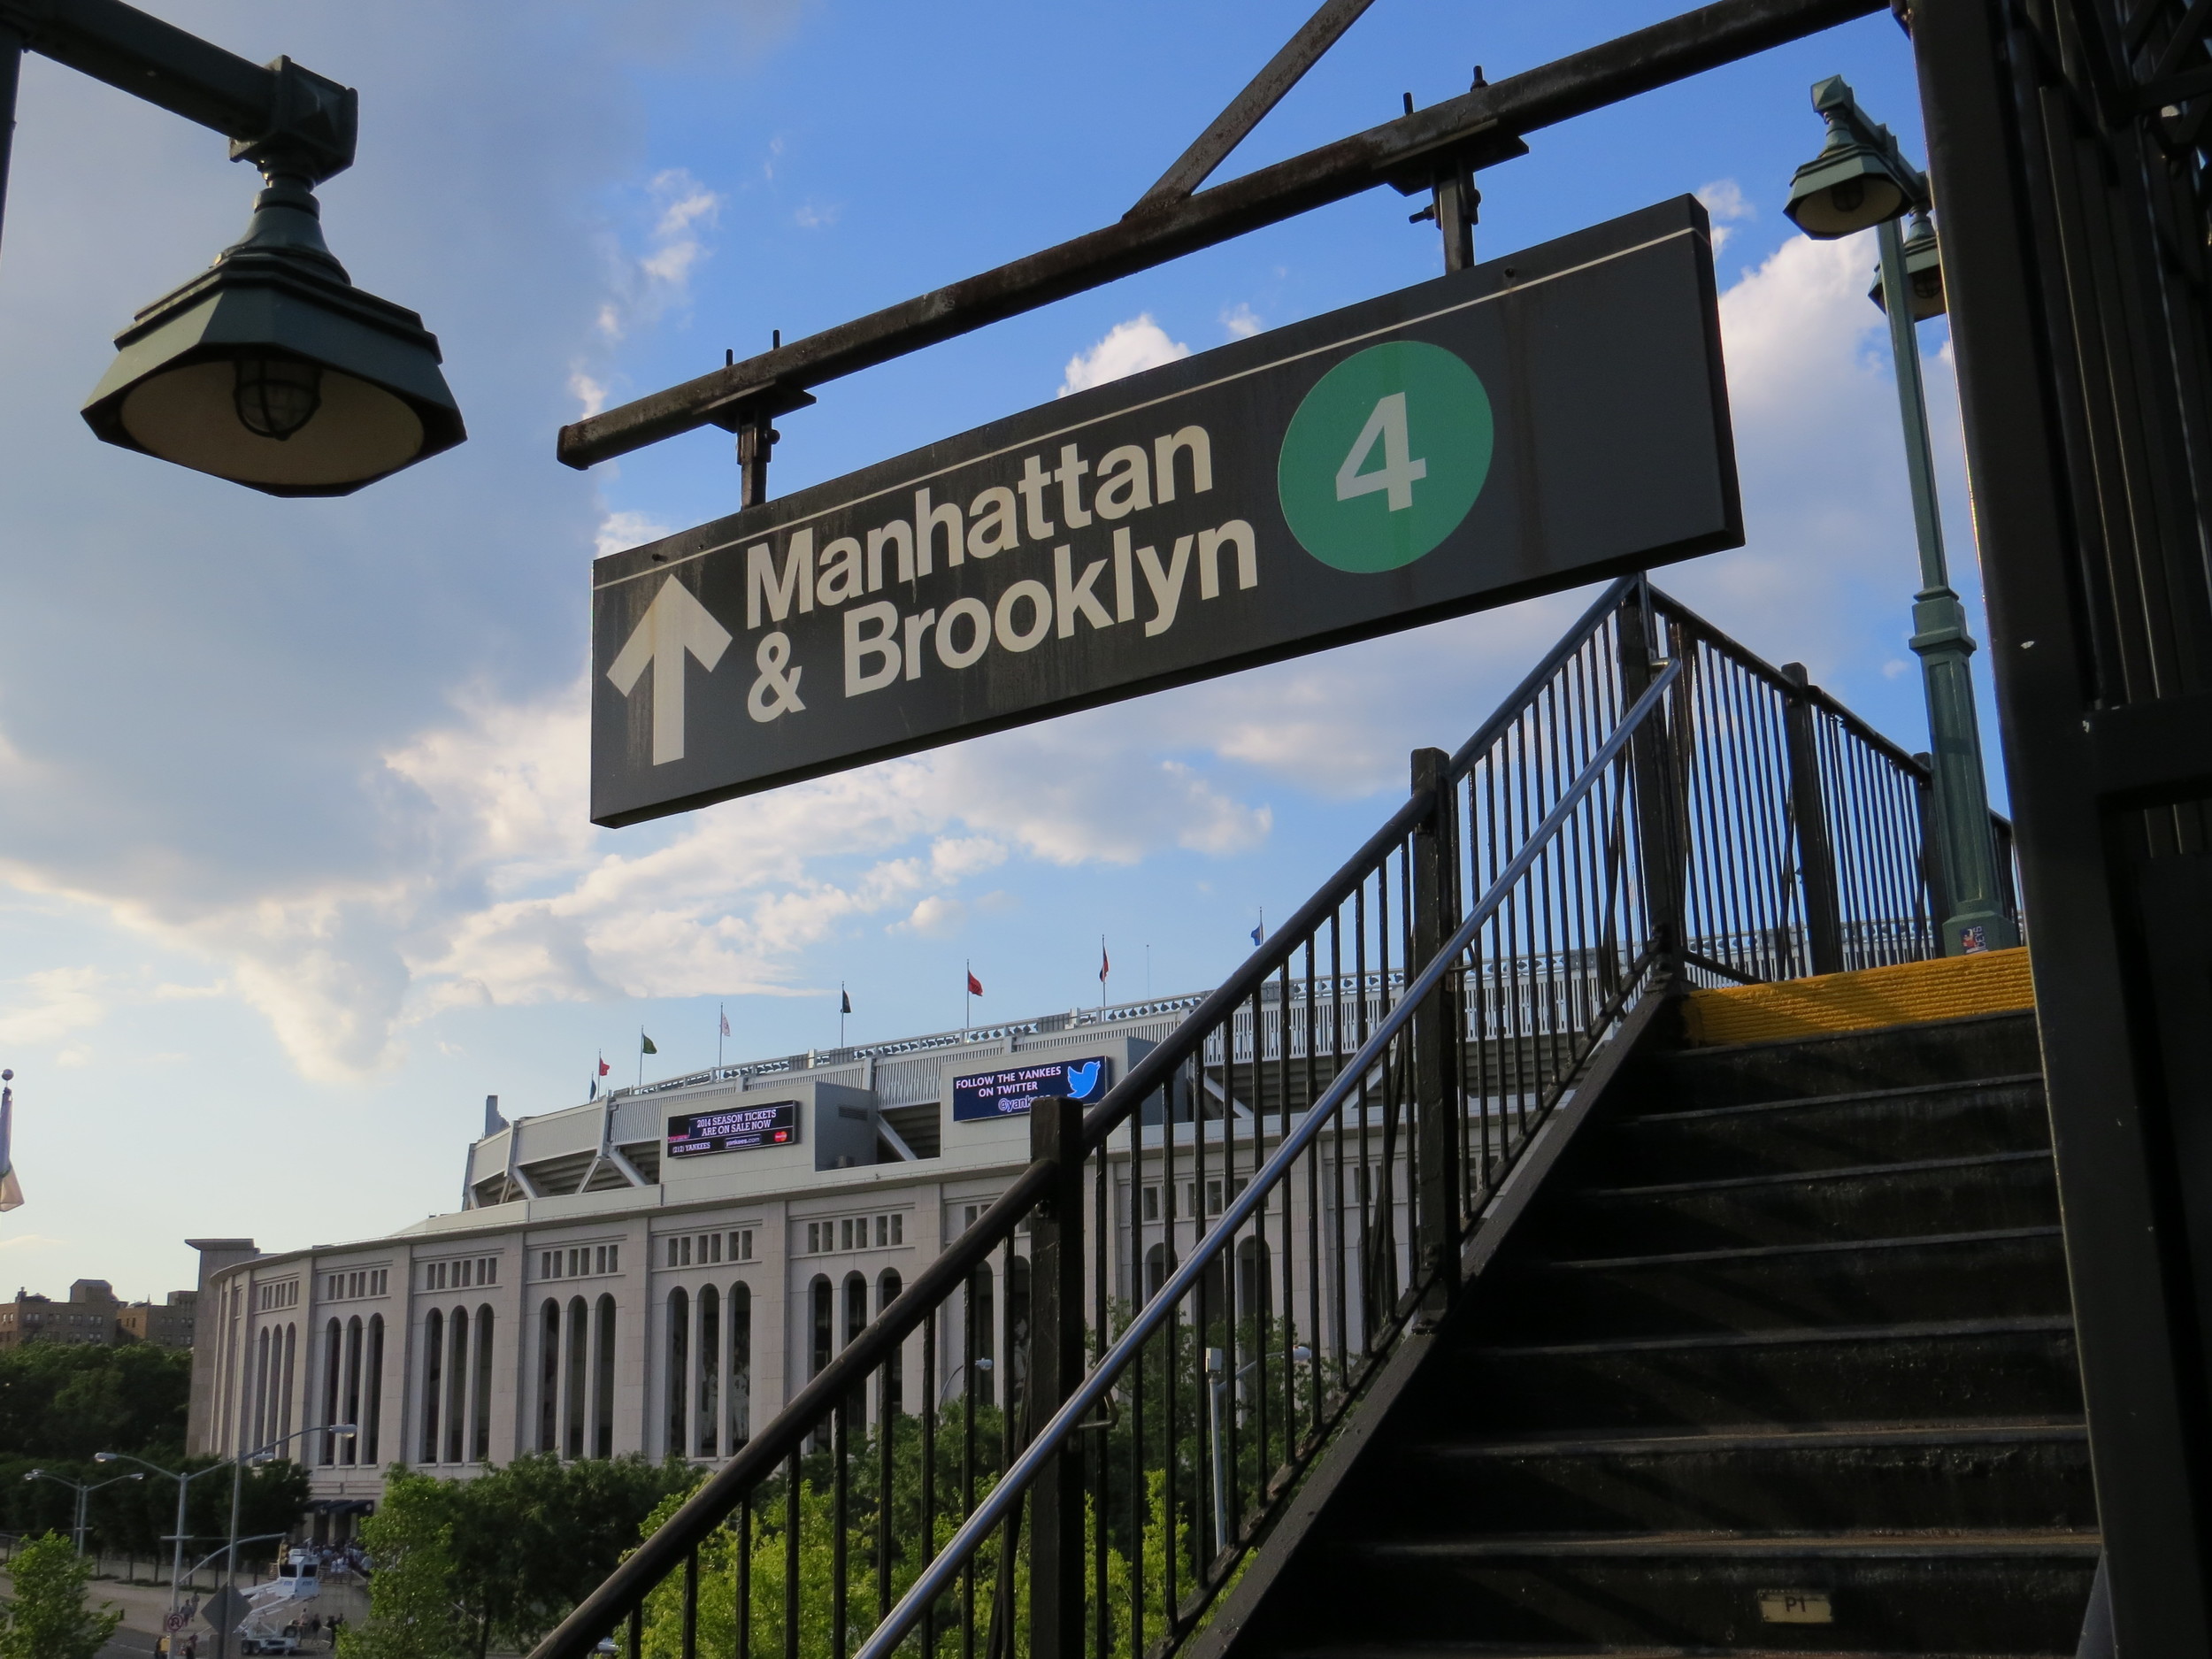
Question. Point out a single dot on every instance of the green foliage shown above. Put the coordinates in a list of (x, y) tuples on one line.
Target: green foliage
[(1001, 1585), (63, 1400), (414, 1612), (47, 1617), (132, 1516), (497, 1561)]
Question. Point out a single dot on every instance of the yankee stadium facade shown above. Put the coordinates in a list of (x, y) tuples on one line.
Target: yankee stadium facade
[(658, 1270)]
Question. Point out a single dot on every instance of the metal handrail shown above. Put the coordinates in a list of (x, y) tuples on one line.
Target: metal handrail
[(1046, 1443), (1702, 807)]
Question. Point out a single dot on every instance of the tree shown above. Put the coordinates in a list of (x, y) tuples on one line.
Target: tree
[(63, 1400), (47, 1619), (414, 1612)]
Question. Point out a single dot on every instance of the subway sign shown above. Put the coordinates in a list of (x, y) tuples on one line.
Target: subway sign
[(1539, 421)]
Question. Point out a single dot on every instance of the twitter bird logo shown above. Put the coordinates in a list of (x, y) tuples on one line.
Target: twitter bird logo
[(1083, 1079)]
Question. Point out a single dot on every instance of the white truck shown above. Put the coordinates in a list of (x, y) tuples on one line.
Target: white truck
[(277, 1610)]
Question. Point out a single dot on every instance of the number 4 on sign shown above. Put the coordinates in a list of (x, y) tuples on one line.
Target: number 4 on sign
[(1398, 473)]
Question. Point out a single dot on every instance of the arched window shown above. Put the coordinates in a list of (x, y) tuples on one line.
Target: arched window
[(432, 1381), (823, 1310), (457, 1375), (855, 1322), (284, 1387), (602, 1389), (679, 1368), (741, 1315), (349, 1449), (1255, 1296), (372, 1413), (333, 1357), (981, 1337), (261, 1389), (708, 1367), (579, 1364), (1159, 1262), (893, 1399), (1018, 1329), (549, 1376), (481, 1384)]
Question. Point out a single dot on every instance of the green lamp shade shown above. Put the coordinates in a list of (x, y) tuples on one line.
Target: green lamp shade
[(268, 371), (1845, 188), (1923, 274)]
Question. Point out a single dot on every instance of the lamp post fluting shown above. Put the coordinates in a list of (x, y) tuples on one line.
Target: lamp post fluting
[(1861, 179)]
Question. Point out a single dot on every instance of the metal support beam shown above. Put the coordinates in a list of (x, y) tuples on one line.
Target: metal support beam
[(1436, 1119), (1250, 106), (1809, 814), (1056, 1589), (163, 64), (1486, 122)]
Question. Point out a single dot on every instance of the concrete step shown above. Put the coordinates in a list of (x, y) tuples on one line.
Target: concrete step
[(2018, 1271), (1933, 1196), (1913, 1373), (1989, 1592), (1941, 1051), (1962, 1477), (1826, 1131)]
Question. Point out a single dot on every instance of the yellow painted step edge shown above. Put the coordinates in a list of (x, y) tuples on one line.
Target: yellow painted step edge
[(1992, 982)]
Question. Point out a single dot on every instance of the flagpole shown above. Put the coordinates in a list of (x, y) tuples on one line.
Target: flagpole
[(967, 997), (641, 1056), (841, 1000), (721, 1018)]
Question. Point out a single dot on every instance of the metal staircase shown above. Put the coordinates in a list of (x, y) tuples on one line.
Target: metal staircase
[(1414, 1292)]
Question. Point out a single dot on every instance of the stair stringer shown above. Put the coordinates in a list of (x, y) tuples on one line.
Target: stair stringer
[(1231, 1631)]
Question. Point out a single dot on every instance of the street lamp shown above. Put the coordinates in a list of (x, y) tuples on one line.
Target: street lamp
[(229, 1552), (184, 1481), (1862, 179), (84, 1493), (269, 368)]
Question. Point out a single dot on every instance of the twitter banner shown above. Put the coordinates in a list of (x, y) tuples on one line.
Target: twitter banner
[(989, 1095)]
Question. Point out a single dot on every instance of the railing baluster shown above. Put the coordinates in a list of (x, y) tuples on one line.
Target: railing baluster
[(741, 1595), (791, 1521), (689, 1644)]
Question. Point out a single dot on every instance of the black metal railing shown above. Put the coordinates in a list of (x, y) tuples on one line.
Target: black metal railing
[(1066, 1433)]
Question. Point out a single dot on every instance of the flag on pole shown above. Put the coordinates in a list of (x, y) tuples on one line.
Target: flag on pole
[(1103, 965), (645, 1044), (975, 986), (845, 998), (604, 1067), (725, 1022), (11, 1190)]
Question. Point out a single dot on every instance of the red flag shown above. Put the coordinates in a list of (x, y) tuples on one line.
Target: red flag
[(604, 1067), (975, 986)]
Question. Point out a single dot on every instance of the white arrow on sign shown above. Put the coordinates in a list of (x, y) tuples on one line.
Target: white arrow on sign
[(675, 623)]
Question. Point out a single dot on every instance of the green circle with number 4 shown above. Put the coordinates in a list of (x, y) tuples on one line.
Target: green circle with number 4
[(1385, 456)]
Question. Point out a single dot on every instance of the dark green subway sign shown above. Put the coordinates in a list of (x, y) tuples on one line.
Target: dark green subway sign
[(1540, 421)]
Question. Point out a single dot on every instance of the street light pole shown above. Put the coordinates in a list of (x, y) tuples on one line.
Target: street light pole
[(84, 1490), (1862, 179), (237, 1482), (184, 1481), (1966, 845)]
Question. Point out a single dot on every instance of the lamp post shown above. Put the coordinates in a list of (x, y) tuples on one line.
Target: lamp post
[(84, 1492), (1862, 179), (229, 1552), (269, 368), (184, 1481)]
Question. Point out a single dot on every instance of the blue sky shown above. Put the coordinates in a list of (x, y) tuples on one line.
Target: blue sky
[(293, 860)]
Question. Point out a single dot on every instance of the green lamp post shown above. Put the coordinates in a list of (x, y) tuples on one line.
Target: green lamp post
[(1861, 179), (270, 368)]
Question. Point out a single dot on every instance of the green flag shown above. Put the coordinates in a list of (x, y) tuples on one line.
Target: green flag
[(646, 1044)]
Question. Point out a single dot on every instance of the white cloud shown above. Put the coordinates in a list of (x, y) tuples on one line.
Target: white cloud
[(653, 283), (1128, 348), (813, 215), (620, 531), (48, 1005), (1725, 202), (1240, 322), (591, 395)]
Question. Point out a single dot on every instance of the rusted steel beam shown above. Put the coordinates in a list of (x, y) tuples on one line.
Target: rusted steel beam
[(1250, 106), (1480, 125)]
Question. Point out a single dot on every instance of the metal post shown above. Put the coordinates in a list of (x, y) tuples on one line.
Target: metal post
[(11, 48), (1436, 1139), (176, 1558), (1977, 919), (1658, 824), (1930, 846), (1056, 1598), (230, 1561), (2050, 364), (755, 437), (1808, 813), (1457, 205)]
